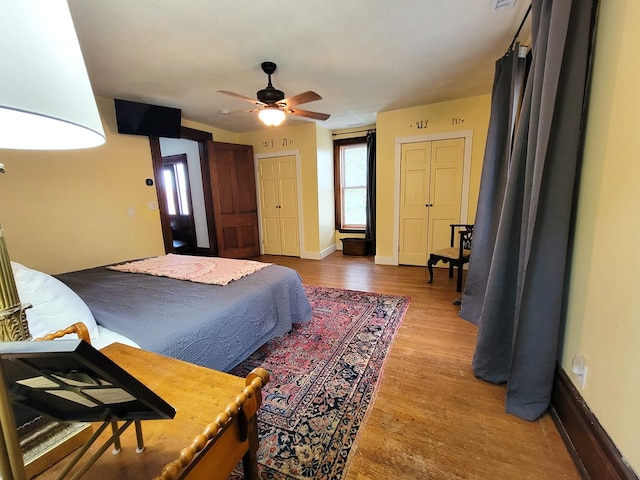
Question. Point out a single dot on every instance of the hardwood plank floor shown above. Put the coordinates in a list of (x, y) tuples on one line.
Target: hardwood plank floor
[(432, 419)]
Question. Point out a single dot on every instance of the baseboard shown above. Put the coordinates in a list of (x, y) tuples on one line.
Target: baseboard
[(327, 251), (592, 450), (318, 255), (382, 260)]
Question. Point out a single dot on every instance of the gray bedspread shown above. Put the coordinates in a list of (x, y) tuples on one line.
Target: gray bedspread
[(209, 325)]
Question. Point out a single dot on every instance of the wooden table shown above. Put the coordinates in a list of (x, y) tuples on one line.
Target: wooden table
[(199, 395)]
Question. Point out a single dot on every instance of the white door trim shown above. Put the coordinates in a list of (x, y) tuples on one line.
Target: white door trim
[(466, 178), (256, 160)]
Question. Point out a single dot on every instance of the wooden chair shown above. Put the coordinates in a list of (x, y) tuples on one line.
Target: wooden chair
[(455, 255)]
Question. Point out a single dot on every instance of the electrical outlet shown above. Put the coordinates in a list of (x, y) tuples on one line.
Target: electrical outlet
[(582, 377), (131, 211), (579, 368)]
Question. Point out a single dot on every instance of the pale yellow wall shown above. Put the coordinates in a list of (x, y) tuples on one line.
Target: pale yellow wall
[(68, 210), (326, 192), (603, 317), (466, 114), (301, 138), (79, 200)]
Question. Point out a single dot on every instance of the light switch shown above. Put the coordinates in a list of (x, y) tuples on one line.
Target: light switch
[(131, 211)]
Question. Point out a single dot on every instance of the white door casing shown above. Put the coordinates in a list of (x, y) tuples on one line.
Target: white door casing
[(467, 135)]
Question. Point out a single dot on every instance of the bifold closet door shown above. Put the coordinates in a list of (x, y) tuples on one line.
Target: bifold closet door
[(430, 197), (279, 205)]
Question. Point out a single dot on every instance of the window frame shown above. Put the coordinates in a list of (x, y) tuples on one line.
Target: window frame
[(337, 168)]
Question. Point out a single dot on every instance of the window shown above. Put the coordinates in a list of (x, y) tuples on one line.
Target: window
[(176, 186), (350, 156)]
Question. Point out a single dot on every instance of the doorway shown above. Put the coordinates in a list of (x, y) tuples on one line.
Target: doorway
[(193, 144)]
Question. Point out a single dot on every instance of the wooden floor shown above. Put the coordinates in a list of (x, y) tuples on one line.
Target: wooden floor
[(432, 419)]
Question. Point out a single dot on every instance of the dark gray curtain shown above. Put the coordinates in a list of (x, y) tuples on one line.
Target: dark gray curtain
[(508, 86), (370, 231), (516, 276)]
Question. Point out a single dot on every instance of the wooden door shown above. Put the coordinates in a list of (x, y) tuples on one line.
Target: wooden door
[(288, 188), (233, 191), (445, 191), (430, 197), (278, 182), (414, 200), (269, 201)]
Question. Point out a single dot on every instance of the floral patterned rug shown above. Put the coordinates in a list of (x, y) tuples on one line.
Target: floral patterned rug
[(324, 376)]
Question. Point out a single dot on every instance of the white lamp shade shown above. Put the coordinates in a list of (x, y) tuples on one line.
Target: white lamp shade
[(46, 101), (271, 116)]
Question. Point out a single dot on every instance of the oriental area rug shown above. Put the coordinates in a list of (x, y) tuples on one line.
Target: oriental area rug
[(324, 376)]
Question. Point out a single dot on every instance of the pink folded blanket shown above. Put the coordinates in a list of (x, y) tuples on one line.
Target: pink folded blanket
[(211, 270)]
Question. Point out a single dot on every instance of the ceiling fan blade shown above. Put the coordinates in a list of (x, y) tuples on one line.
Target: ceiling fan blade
[(299, 99), (241, 97), (307, 113)]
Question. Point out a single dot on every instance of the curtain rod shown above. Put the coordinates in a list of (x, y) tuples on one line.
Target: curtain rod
[(355, 131), (515, 37)]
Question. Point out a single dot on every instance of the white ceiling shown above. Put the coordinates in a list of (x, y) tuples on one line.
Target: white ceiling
[(361, 56)]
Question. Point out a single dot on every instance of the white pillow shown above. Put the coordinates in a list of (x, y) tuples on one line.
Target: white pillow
[(55, 306), (107, 337)]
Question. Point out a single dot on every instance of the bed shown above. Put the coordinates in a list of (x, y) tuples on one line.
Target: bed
[(209, 325)]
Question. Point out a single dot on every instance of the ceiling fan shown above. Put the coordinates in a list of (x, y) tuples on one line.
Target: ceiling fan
[(272, 105)]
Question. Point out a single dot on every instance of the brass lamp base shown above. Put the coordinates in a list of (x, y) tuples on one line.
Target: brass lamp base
[(13, 324)]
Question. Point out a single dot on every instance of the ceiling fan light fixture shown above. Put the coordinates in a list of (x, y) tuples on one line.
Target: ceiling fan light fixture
[(271, 116), (272, 105)]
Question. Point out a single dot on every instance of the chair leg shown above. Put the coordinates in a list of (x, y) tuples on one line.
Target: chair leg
[(450, 269), (459, 283), (430, 267)]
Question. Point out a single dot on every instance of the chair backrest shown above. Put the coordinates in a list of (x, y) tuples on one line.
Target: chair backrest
[(466, 235)]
